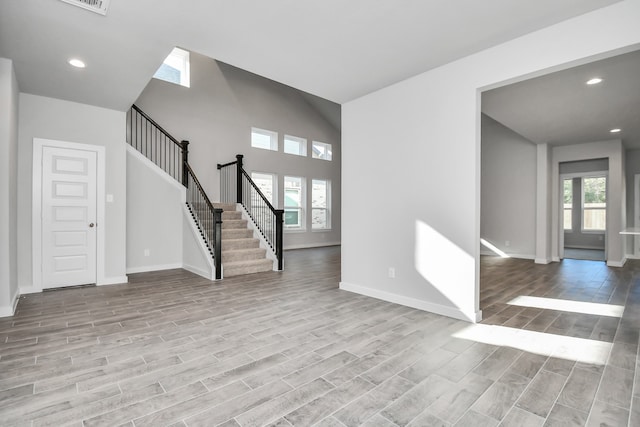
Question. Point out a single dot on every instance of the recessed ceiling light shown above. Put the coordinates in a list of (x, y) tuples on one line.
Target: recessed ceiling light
[(77, 63), (615, 130), (594, 81)]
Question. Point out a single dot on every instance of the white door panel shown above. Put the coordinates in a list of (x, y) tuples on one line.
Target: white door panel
[(68, 217)]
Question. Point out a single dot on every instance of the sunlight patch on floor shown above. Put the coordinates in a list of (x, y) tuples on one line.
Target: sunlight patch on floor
[(570, 348), (596, 309)]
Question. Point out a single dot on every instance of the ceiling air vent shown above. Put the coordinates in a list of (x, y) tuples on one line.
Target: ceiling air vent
[(97, 6)]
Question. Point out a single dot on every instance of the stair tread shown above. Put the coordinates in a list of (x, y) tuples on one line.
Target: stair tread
[(247, 262)]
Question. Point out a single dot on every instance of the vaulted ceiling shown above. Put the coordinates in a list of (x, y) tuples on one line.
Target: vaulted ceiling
[(335, 49)]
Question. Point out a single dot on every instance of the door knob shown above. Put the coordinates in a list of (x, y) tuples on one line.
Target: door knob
[(91, 225)]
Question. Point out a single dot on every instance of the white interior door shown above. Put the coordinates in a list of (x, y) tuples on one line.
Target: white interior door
[(69, 184)]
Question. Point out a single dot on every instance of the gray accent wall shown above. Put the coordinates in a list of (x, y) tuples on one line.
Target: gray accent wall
[(216, 115), (8, 187), (508, 204)]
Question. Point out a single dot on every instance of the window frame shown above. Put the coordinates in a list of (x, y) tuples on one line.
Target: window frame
[(582, 202), (302, 144), (272, 135), (182, 58), (327, 208), (301, 226), (328, 149), (274, 185), (564, 208)]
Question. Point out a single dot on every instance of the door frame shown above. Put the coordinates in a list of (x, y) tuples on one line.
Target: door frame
[(36, 221), (561, 179)]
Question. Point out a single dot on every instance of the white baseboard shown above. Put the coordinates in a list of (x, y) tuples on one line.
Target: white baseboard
[(311, 245), (516, 256), (158, 267), (595, 248), (200, 272), (115, 280), (29, 290), (631, 256), (6, 311), (617, 263), (413, 303), (542, 260)]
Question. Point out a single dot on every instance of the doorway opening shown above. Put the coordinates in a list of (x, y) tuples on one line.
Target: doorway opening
[(584, 209)]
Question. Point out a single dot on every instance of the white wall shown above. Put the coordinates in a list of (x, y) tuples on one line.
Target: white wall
[(8, 187), (422, 143), (49, 118), (154, 216), (508, 191), (216, 115)]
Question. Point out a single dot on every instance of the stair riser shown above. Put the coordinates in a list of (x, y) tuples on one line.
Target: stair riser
[(237, 271), (236, 234), (248, 255), (240, 244)]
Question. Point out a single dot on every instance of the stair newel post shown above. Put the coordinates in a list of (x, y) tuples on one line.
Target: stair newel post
[(217, 220), (279, 235), (185, 159), (239, 177)]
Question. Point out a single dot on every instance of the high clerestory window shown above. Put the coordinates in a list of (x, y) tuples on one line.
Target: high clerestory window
[(175, 68)]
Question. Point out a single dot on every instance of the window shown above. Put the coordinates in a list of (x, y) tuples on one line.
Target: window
[(264, 139), (568, 204), (266, 183), (594, 203), (320, 203), (175, 68), (294, 202), (295, 145), (321, 150)]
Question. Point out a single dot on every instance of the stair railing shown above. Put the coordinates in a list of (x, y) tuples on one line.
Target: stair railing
[(236, 186), (172, 156)]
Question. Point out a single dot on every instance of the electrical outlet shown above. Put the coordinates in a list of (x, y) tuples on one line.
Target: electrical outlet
[(147, 252), (392, 273), (507, 243)]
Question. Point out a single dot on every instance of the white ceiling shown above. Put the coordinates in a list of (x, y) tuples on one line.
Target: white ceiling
[(560, 109), (335, 49)]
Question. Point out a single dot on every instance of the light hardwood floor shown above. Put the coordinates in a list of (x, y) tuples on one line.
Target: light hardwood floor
[(289, 348)]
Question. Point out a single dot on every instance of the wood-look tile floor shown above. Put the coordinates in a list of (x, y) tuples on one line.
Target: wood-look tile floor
[(289, 348)]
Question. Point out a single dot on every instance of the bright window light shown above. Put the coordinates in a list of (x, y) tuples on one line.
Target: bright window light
[(175, 68), (295, 145), (264, 139), (596, 309), (570, 348), (321, 150)]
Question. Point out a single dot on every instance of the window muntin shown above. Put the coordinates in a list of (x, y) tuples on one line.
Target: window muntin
[(320, 204), (568, 204), (594, 203), (266, 182), (295, 145), (294, 202), (264, 139), (321, 150), (175, 68)]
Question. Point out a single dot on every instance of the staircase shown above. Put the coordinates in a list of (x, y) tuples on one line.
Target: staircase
[(228, 237), (241, 252)]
